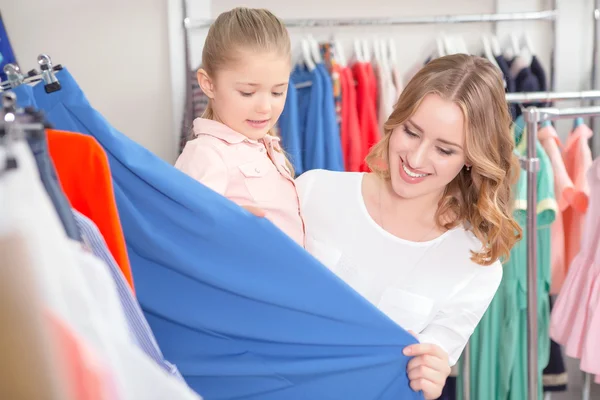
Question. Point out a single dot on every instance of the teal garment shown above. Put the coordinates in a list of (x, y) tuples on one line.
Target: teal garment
[(499, 358)]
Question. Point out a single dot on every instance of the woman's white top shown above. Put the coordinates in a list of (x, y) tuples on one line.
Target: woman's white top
[(432, 288)]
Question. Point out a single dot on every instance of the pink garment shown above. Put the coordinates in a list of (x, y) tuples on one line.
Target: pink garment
[(573, 323), (578, 159), (87, 376), (248, 172), (565, 195)]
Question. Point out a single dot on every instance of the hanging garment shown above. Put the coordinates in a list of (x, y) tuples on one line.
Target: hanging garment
[(367, 115), (333, 146), (555, 376), (510, 82), (138, 326), (350, 128), (87, 376), (309, 88), (499, 370), (571, 314), (398, 83), (195, 105), (335, 70), (289, 129), (7, 56), (247, 172), (566, 196), (84, 175), (242, 310), (387, 94), (76, 287), (578, 159), (28, 364)]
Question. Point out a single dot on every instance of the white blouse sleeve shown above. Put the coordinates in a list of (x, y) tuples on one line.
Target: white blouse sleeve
[(454, 324)]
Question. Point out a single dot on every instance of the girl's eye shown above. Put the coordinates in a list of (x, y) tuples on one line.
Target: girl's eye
[(246, 94)]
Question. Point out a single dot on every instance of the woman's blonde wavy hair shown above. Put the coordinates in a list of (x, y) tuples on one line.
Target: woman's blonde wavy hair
[(482, 196), (243, 29)]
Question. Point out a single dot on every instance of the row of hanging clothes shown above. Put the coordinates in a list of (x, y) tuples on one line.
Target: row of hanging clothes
[(336, 105), (568, 310), (72, 328), (131, 280)]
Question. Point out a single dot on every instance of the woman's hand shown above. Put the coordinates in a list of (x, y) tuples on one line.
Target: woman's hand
[(428, 370), (259, 212)]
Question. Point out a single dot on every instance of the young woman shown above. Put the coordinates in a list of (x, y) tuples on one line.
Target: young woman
[(422, 236)]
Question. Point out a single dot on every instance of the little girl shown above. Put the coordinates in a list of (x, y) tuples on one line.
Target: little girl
[(246, 67)]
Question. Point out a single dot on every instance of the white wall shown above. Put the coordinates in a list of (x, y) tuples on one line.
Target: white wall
[(118, 51), (128, 54)]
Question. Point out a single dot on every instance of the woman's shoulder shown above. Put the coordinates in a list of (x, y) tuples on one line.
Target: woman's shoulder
[(463, 241), (324, 181)]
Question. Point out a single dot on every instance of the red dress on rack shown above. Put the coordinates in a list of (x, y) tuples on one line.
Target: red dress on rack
[(84, 174)]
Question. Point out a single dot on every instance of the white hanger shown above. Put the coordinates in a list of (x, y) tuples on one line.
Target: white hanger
[(306, 55), (462, 45), (527, 43), (514, 40), (314, 47), (448, 45), (358, 51), (367, 51), (495, 45), (487, 50), (441, 47), (339, 53), (377, 51), (392, 52)]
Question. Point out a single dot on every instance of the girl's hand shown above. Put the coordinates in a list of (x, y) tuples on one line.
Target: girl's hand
[(428, 370)]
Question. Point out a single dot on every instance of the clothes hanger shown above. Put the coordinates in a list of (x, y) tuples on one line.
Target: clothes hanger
[(314, 48), (306, 55), (377, 52), (462, 45), (392, 52), (339, 53), (358, 51), (441, 48), (496, 50), (487, 50), (367, 51)]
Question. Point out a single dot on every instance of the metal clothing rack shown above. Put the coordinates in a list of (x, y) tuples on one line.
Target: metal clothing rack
[(417, 20), (533, 116)]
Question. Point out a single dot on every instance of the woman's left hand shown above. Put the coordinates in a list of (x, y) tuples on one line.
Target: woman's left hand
[(428, 369)]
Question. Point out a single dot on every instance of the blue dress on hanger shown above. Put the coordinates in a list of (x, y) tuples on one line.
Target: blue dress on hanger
[(240, 308)]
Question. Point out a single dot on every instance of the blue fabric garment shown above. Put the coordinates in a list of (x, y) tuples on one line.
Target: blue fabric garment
[(138, 326), (240, 308), (7, 56), (331, 129), (289, 129), (310, 115), (39, 147)]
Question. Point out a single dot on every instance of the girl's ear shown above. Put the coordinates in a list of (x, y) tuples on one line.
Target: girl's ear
[(205, 83)]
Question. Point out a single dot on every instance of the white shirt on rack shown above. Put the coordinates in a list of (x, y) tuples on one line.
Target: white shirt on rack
[(432, 288), (76, 286)]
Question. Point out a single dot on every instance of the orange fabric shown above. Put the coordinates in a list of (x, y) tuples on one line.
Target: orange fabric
[(85, 177), (578, 160), (350, 128), (366, 108)]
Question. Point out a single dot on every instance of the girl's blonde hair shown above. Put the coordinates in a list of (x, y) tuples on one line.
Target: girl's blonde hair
[(243, 29), (480, 197)]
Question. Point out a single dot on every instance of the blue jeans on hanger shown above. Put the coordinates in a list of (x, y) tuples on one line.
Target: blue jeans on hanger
[(238, 306), (39, 147)]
